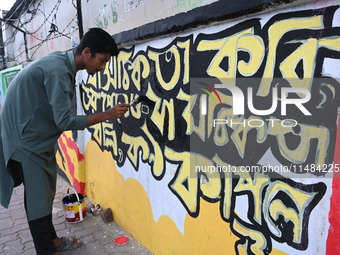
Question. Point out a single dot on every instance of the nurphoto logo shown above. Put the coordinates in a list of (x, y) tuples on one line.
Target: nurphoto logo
[(239, 100)]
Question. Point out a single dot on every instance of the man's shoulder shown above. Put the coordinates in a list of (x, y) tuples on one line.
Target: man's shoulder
[(55, 63), (56, 55), (55, 60)]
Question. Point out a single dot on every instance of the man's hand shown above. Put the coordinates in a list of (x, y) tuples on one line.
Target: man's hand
[(114, 113), (117, 111)]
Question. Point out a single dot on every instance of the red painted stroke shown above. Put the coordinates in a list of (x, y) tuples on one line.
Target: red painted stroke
[(72, 145), (333, 240)]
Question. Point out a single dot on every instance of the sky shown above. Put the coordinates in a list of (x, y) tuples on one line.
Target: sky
[(6, 4)]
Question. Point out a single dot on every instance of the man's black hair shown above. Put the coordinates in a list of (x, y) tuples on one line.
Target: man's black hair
[(99, 41)]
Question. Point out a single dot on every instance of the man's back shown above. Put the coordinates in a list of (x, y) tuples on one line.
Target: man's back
[(37, 105)]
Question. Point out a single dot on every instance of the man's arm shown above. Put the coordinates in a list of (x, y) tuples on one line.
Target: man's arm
[(115, 112)]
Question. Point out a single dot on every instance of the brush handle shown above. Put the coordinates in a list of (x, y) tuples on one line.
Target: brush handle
[(136, 100)]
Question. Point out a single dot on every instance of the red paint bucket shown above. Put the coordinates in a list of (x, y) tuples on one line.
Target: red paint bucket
[(74, 207)]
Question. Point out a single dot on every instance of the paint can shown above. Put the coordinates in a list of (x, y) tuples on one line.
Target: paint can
[(74, 207)]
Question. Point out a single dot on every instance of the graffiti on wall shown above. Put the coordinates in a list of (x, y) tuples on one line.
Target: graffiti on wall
[(132, 4), (107, 14), (291, 47), (185, 4), (71, 161)]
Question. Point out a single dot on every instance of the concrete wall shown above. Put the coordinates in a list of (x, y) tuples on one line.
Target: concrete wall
[(156, 167), (47, 23), (118, 16), (144, 166)]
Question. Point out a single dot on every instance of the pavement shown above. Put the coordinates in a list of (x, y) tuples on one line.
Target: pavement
[(96, 235)]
